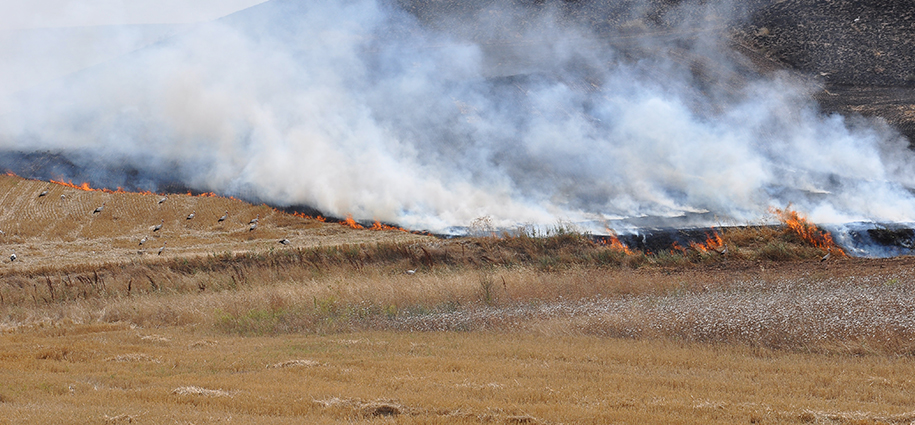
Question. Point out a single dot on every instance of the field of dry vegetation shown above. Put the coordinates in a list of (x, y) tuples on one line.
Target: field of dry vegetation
[(349, 325)]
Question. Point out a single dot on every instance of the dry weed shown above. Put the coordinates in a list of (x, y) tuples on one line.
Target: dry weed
[(199, 391), (294, 363)]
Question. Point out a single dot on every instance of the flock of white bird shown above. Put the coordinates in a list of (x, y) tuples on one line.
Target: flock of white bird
[(252, 225)]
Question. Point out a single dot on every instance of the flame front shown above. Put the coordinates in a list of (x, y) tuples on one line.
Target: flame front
[(351, 223), (807, 231), (712, 242), (615, 243)]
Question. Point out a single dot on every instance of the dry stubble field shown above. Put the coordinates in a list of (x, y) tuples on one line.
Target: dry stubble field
[(228, 325)]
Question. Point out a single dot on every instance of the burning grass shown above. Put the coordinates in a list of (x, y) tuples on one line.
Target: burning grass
[(513, 283), (510, 328)]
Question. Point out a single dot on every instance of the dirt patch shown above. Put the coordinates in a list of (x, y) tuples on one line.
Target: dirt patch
[(60, 230)]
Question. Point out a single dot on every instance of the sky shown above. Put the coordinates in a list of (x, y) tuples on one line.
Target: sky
[(23, 14), (41, 40)]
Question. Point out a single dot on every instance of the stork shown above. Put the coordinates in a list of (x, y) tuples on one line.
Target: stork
[(161, 250), (223, 218), (255, 219), (159, 226), (828, 254), (43, 193), (99, 209), (163, 200), (12, 257), (143, 241), (284, 241), (191, 215), (411, 271)]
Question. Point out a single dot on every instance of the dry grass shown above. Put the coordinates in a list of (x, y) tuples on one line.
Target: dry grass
[(50, 233), (346, 325), (435, 377)]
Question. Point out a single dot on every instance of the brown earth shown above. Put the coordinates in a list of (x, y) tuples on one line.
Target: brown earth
[(222, 354), (60, 229)]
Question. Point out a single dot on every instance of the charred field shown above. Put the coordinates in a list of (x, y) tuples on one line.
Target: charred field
[(345, 324), (185, 306)]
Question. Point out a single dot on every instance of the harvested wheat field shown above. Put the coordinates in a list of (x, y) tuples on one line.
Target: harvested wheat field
[(60, 228), (347, 325)]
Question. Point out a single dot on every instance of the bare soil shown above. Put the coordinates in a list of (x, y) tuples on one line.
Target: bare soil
[(60, 229)]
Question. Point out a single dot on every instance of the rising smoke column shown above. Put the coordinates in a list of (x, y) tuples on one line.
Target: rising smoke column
[(429, 120)]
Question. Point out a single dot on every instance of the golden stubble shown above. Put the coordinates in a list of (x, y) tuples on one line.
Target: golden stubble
[(110, 373)]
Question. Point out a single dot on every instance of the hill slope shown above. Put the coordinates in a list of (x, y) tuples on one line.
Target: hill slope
[(60, 228)]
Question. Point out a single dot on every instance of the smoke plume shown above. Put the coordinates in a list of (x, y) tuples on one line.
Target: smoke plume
[(432, 114)]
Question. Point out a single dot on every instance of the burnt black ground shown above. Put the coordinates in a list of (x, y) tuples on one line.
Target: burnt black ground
[(863, 52), (860, 55)]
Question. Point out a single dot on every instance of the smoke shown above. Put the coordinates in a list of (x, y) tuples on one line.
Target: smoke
[(433, 114)]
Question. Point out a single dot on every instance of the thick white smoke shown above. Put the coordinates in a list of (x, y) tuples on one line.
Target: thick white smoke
[(527, 116)]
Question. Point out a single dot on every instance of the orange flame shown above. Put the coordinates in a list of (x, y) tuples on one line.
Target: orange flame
[(308, 217), (87, 187), (377, 225), (808, 231), (676, 247), (351, 223), (712, 243), (616, 245)]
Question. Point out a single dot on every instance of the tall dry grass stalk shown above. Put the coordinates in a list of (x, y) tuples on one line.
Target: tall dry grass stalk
[(559, 284)]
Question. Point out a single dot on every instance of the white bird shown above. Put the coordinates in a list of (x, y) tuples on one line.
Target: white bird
[(223, 218), (163, 199), (828, 254), (192, 214), (253, 226), (12, 257), (411, 271), (62, 197), (284, 241), (158, 226), (99, 209), (44, 193), (255, 219), (161, 250), (143, 241)]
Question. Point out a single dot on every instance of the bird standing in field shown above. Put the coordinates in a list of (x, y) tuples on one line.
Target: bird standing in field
[(223, 218), (163, 200), (159, 226), (99, 209), (284, 241), (43, 193), (191, 215), (143, 241), (828, 254), (161, 250), (255, 219), (13, 257)]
